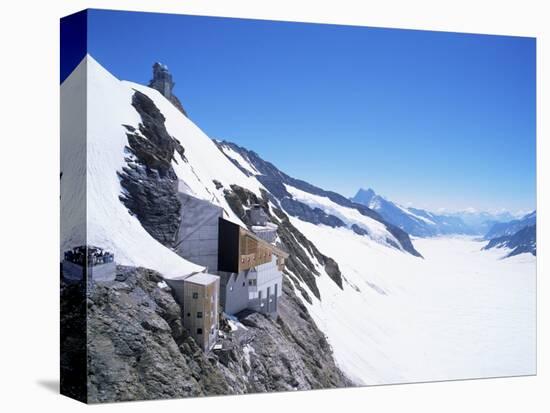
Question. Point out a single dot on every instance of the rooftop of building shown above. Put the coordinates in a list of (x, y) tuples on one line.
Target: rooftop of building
[(269, 226), (276, 250), (202, 278), (160, 65)]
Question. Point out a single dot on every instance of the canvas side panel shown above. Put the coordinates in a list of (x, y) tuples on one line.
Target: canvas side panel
[(73, 74)]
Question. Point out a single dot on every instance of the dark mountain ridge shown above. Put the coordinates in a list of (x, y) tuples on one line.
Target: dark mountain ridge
[(523, 241), (274, 181), (501, 229), (519, 235)]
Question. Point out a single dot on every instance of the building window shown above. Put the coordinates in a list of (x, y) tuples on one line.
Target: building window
[(195, 295), (199, 330), (188, 314), (199, 314), (252, 282), (244, 285)]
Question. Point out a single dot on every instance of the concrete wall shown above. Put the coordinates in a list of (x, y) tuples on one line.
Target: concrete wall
[(102, 272), (258, 289), (97, 273), (197, 239), (72, 272), (233, 292), (264, 296), (178, 287)]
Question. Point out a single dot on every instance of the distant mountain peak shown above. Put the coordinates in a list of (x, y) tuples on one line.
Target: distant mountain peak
[(368, 191), (364, 196), (417, 222)]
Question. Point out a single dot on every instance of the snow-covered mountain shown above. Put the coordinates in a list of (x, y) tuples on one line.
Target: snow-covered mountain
[(141, 150), (501, 229), (389, 315), (423, 223), (522, 241), (312, 204), (481, 221), (518, 236), (417, 222)]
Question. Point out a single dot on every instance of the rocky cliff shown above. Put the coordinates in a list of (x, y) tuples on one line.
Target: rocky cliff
[(138, 349), (148, 179)]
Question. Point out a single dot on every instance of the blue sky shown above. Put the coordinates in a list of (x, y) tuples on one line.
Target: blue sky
[(432, 119)]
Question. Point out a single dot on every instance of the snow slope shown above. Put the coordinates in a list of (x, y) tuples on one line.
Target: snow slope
[(205, 161), (237, 157), (459, 313), (99, 155), (73, 160)]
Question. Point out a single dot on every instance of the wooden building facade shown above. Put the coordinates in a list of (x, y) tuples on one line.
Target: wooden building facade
[(241, 250), (200, 308)]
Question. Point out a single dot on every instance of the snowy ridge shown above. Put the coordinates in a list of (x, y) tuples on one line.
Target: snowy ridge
[(109, 224), (313, 204), (417, 222), (91, 173), (239, 160), (375, 229), (204, 162)]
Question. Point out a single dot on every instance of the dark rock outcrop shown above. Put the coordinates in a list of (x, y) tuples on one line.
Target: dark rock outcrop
[(138, 349), (149, 180), (308, 214), (523, 241)]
